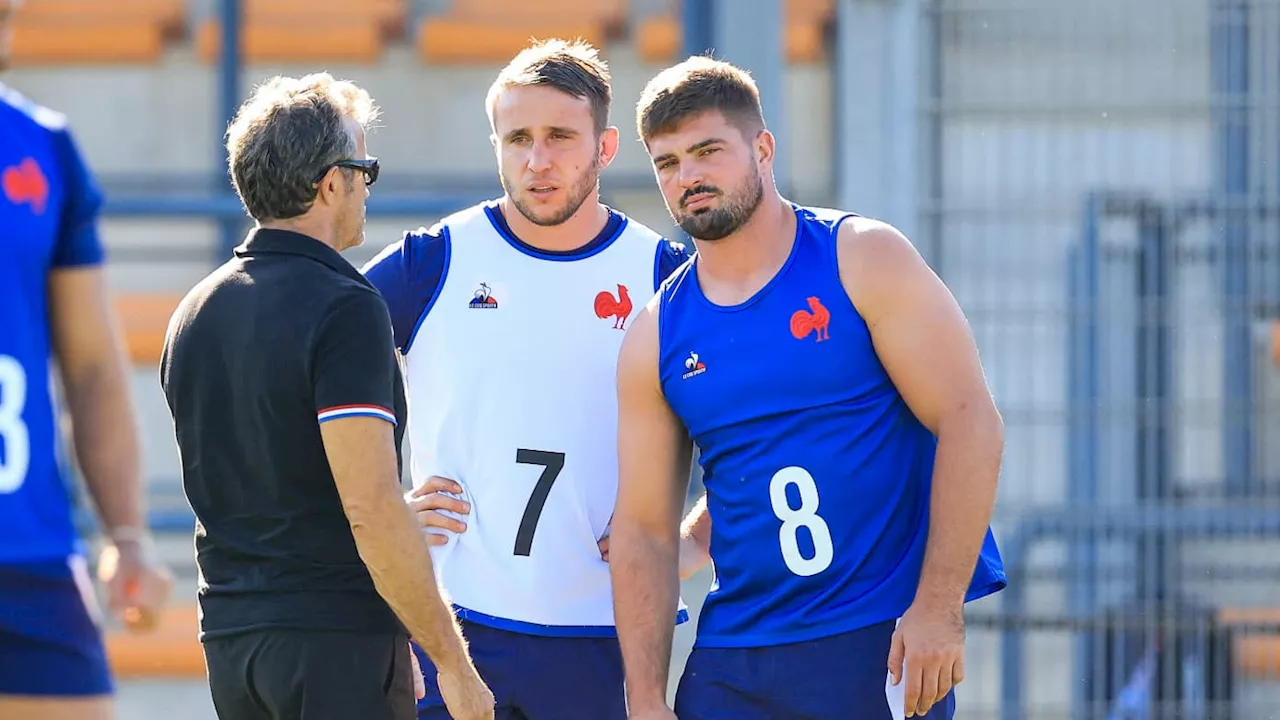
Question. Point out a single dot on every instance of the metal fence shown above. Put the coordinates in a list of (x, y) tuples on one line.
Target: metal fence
[(1103, 199)]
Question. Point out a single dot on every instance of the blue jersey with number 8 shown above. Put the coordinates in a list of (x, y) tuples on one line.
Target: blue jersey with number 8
[(818, 475), (48, 209)]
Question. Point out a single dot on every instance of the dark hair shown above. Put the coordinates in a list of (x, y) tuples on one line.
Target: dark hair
[(572, 67), (697, 85), (286, 135)]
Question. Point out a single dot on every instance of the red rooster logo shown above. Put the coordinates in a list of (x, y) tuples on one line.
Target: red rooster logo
[(817, 317), (618, 308), (25, 183)]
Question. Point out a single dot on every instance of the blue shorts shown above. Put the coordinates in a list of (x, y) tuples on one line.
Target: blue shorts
[(50, 640), (842, 676), (535, 677)]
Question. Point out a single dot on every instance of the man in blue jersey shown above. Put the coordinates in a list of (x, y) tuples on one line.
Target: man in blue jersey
[(54, 306), (509, 316), (849, 442)]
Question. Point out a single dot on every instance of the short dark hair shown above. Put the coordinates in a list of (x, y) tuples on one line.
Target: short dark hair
[(697, 85), (573, 67), (286, 135)]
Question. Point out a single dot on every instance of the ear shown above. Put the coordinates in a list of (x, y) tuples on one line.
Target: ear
[(330, 187), (608, 150), (765, 146)]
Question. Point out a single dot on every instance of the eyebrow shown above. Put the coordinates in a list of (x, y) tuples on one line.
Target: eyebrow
[(691, 149)]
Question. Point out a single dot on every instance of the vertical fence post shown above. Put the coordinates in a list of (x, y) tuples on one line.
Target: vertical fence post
[(1229, 51), (1084, 395), (1153, 390), (228, 101)]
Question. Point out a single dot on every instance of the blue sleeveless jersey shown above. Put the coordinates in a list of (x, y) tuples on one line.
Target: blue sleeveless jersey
[(48, 209), (817, 474)]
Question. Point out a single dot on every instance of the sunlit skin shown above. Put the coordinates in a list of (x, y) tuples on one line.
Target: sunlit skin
[(7, 8), (718, 184), (351, 207), (549, 162)]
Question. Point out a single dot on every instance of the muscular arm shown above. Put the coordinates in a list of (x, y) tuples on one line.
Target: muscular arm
[(925, 345), (362, 456), (90, 358), (653, 456)]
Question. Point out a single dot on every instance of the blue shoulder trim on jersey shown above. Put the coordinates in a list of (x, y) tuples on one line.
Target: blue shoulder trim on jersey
[(612, 231), (410, 274), (439, 285), (528, 628), (668, 258)]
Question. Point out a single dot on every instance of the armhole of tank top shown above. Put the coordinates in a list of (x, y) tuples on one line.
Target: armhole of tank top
[(835, 266), (447, 239), (658, 317), (835, 255)]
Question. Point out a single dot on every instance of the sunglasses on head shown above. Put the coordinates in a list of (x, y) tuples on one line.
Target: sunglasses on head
[(368, 166)]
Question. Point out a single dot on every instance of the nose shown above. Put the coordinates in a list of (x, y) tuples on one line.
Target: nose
[(689, 175), (539, 158)]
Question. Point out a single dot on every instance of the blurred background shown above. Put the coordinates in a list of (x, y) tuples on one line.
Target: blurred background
[(1098, 181)]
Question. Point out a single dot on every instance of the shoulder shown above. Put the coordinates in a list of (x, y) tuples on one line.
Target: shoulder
[(22, 109), (350, 306), (833, 219), (865, 241), (414, 249), (668, 255), (37, 124), (673, 254), (878, 264), (639, 352)]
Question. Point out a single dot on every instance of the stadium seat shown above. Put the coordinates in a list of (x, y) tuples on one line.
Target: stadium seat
[(658, 37), (308, 31), (144, 317), (170, 650), (480, 31), (84, 32), (1257, 655)]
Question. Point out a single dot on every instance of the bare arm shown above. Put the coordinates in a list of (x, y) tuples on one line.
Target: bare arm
[(926, 346), (362, 456), (653, 456), (695, 539), (90, 357)]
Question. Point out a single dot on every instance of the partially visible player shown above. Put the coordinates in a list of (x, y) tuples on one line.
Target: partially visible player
[(849, 443), (54, 306), (510, 315)]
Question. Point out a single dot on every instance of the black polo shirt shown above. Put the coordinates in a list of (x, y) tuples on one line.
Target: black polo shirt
[(283, 336)]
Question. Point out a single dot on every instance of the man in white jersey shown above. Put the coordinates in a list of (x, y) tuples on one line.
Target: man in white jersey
[(510, 315)]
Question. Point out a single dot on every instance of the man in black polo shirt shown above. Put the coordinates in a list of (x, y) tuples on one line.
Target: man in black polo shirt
[(286, 396)]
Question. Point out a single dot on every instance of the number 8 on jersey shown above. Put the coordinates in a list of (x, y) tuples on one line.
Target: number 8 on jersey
[(805, 516)]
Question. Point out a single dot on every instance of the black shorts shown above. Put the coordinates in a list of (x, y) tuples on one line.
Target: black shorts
[(310, 675)]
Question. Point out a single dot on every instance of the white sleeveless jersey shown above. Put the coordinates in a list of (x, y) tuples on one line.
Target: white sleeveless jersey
[(511, 388)]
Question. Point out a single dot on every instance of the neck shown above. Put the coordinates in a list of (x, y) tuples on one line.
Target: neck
[(310, 226), (759, 247), (580, 229)]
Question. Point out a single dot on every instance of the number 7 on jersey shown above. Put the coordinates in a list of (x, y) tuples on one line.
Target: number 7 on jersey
[(552, 463)]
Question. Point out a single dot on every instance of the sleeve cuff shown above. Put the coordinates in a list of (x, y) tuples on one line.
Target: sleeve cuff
[(343, 411)]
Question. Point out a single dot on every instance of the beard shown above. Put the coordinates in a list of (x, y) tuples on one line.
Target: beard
[(734, 211), (579, 191)]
